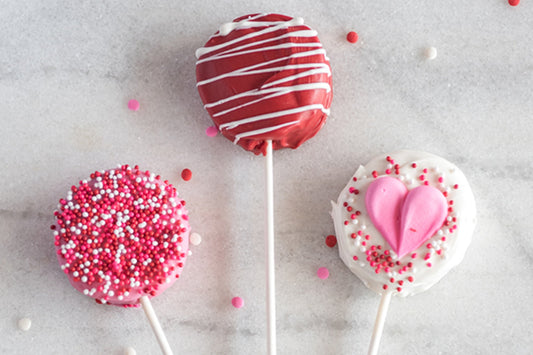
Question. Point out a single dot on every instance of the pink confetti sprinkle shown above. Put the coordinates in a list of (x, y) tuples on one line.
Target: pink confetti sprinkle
[(323, 273), (134, 105), (211, 131), (237, 302)]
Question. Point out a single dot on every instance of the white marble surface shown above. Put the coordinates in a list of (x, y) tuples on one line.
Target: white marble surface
[(67, 70)]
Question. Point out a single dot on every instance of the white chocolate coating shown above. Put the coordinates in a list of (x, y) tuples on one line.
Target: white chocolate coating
[(361, 246)]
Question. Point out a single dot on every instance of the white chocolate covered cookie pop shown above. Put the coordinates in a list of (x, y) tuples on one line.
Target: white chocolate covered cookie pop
[(402, 222)]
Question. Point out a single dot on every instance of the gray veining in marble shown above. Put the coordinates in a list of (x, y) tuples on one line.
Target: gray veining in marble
[(67, 70)]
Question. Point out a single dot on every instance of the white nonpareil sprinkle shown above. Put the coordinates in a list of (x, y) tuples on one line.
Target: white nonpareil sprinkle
[(129, 351), (24, 324), (431, 53), (195, 239)]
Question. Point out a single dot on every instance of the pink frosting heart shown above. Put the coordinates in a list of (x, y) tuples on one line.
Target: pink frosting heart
[(406, 219)]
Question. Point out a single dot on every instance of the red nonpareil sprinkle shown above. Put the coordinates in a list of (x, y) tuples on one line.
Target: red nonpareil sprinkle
[(355, 258), (385, 287), (410, 278), (186, 174), (331, 240), (352, 37), (514, 2), (399, 289), (375, 174), (413, 165)]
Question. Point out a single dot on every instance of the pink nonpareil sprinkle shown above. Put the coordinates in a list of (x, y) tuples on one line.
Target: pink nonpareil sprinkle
[(134, 105), (237, 302), (322, 273), (211, 131)]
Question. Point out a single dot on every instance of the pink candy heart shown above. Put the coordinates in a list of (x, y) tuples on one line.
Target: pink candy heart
[(406, 219)]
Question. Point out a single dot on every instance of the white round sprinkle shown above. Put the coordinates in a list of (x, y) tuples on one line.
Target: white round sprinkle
[(129, 351), (431, 53), (24, 324), (195, 239)]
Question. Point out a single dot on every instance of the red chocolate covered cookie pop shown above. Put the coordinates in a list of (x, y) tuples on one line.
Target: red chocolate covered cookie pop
[(265, 77)]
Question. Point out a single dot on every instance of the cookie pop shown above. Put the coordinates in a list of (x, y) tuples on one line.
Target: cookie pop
[(265, 81), (122, 238), (402, 222)]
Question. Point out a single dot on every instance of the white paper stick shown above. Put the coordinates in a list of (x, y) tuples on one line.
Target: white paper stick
[(269, 239), (156, 326), (380, 322)]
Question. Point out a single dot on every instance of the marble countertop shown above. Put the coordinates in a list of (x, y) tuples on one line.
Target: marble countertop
[(67, 71)]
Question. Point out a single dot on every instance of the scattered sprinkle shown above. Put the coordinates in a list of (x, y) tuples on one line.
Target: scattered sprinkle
[(24, 324), (186, 174), (431, 53), (134, 105), (514, 2), (331, 241), (130, 351), (352, 37), (237, 302), (195, 239), (323, 273), (211, 131)]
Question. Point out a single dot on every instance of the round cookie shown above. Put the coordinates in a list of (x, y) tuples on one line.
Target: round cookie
[(265, 77), (122, 234), (403, 221)]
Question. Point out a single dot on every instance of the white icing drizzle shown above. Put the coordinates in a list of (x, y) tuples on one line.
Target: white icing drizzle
[(278, 91), (304, 33), (248, 71), (262, 130), (266, 116)]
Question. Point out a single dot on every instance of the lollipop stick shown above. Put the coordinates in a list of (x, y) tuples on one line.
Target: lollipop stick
[(269, 239), (156, 326), (380, 322)]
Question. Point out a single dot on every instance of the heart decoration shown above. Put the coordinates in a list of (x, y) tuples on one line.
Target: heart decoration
[(405, 218)]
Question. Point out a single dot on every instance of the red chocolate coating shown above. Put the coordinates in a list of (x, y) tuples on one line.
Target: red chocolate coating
[(268, 78)]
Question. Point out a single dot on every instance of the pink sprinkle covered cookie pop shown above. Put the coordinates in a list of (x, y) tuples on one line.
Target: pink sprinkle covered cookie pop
[(402, 222), (122, 237)]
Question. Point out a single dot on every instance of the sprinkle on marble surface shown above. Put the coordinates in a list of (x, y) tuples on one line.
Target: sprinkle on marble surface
[(134, 105), (331, 240), (24, 324), (211, 131), (514, 2), (195, 239), (237, 302), (431, 53), (130, 351), (322, 273), (352, 37), (186, 174)]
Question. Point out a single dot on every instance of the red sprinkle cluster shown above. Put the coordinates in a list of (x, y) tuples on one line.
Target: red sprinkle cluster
[(377, 256), (119, 235)]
